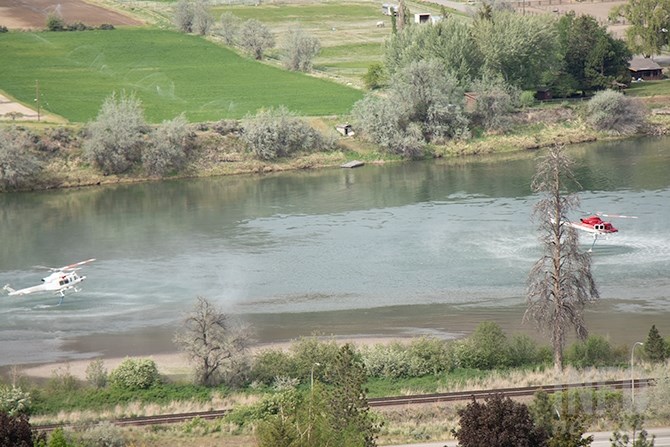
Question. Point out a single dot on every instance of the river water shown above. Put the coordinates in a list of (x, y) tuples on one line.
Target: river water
[(393, 250)]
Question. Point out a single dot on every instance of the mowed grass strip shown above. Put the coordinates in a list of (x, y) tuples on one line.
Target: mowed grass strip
[(170, 72)]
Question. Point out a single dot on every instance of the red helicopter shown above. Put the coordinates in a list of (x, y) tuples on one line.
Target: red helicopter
[(595, 225)]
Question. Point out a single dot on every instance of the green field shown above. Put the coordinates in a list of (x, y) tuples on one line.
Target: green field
[(170, 72), (350, 38)]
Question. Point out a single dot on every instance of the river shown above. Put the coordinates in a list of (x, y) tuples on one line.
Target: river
[(401, 249)]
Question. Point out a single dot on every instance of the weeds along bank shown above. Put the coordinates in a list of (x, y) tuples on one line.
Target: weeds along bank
[(45, 157), (283, 378)]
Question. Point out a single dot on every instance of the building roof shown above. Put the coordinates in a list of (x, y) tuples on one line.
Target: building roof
[(639, 63)]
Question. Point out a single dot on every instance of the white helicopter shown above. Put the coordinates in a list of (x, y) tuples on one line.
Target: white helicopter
[(60, 280)]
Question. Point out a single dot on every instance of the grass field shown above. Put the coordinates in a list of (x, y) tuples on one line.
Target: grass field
[(350, 38), (170, 72)]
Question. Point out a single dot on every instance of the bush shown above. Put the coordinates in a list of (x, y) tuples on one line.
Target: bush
[(106, 27), (115, 138), (3, 29), (170, 144), (594, 351), (18, 166), (275, 133), (104, 434), (270, 364), (202, 18), (375, 76), (15, 431), (14, 401), (96, 374), (615, 113), (55, 23), (311, 355), (527, 98), (486, 348), (523, 351), (494, 102), (135, 374), (498, 422)]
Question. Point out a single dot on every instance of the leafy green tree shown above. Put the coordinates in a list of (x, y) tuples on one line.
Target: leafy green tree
[(615, 113), (347, 401), (114, 140), (300, 49), (449, 42), (19, 167), (655, 347), (498, 422), (591, 58), (520, 48), (255, 38), (560, 283), (648, 24)]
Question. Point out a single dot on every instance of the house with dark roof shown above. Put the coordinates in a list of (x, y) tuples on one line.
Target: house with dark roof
[(645, 68)]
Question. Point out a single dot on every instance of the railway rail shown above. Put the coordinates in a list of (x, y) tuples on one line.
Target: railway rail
[(388, 401)]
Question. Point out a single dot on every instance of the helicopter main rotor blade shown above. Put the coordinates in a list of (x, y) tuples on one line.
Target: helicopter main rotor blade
[(621, 216), (72, 266)]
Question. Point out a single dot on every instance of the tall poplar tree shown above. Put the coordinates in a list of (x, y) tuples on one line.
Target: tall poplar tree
[(560, 283)]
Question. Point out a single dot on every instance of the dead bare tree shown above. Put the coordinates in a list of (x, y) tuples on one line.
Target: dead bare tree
[(560, 283), (216, 344)]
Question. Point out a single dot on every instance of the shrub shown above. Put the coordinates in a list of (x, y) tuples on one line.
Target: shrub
[(115, 138), (15, 431), (55, 23), (277, 133), (375, 76), (312, 355), (527, 98), (104, 434), (18, 166), (495, 100), (270, 364), (135, 374), (498, 422), (96, 374), (106, 27), (523, 350), (615, 113), (594, 351), (486, 348), (3, 29), (170, 144), (14, 401)]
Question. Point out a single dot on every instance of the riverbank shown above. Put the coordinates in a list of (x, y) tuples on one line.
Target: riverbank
[(219, 151)]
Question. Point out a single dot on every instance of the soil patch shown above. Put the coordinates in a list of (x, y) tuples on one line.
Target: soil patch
[(19, 14)]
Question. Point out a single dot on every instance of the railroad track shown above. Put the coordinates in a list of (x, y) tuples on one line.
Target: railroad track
[(387, 401)]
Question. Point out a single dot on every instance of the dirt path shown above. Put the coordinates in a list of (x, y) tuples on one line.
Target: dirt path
[(11, 110)]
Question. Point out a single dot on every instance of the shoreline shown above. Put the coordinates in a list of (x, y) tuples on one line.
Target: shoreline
[(372, 326)]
